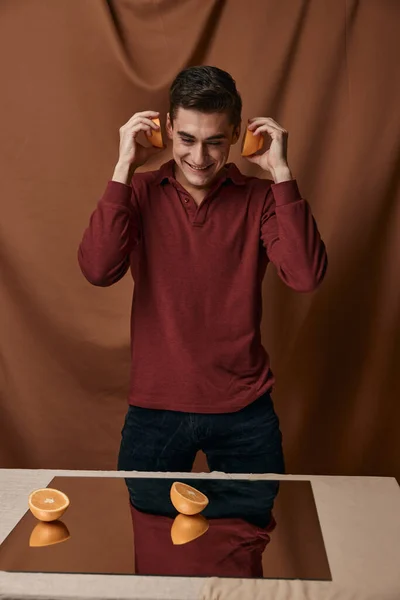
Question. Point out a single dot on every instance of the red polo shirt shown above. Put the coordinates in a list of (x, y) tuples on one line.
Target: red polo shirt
[(198, 271)]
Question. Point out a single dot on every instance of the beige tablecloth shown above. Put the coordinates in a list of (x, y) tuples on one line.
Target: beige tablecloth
[(360, 521)]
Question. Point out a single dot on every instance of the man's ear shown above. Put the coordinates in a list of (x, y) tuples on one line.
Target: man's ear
[(168, 126), (236, 135)]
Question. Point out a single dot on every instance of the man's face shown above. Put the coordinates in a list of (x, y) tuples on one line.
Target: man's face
[(200, 144)]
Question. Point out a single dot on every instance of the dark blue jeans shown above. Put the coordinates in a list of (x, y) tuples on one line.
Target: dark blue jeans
[(247, 441)]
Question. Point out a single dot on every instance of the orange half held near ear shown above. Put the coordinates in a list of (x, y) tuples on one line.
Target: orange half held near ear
[(251, 143), (155, 137)]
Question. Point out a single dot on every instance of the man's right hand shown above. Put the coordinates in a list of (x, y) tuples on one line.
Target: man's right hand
[(132, 154)]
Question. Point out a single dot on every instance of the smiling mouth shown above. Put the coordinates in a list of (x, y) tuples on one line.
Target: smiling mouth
[(200, 169)]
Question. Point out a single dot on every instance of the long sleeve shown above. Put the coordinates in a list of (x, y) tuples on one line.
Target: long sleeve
[(113, 231), (291, 238)]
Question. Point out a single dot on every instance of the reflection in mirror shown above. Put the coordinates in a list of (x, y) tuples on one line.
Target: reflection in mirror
[(47, 534), (227, 539)]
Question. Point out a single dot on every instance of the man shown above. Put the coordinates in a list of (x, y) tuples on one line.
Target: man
[(197, 236)]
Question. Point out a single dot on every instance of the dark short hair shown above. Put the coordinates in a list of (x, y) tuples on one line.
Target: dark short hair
[(206, 89)]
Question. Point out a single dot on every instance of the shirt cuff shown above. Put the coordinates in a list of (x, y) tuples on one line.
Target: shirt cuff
[(286, 192), (117, 193)]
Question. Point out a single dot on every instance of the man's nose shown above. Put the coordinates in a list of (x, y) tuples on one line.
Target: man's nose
[(199, 154)]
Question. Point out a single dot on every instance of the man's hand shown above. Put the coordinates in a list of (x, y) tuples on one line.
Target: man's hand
[(274, 159), (132, 154)]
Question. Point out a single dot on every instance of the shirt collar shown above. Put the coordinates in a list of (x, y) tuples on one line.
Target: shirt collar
[(166, 173)]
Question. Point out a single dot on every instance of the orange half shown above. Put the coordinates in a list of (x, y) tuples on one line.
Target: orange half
[(186, 499), (48, 504), (186, 529), (251, 143), (155, 137), (48, 534)]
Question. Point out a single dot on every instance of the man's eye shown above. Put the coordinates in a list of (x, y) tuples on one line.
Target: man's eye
[(214, 143), (187, 141)]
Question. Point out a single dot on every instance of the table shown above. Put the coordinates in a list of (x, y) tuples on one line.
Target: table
[(360, 521)]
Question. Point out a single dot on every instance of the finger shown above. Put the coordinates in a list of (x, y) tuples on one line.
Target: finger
[(274, 132), (273, 122), (256, 121), (137, 119), (146, 113), (264, 121), (260, 122), (140, 127), (253, 158), (251, 126), (143, 125), (148, 122), (265, 129)]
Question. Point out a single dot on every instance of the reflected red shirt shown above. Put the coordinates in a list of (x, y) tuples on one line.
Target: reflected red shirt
[(198, 270), (230, 548)]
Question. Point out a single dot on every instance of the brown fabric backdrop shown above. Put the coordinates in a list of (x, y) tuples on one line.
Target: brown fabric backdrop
[(72, 72)]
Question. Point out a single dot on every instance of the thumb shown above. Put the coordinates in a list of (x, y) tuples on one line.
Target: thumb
[(253, 158)]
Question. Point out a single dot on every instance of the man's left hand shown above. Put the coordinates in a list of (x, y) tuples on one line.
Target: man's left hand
[(274, 159)]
